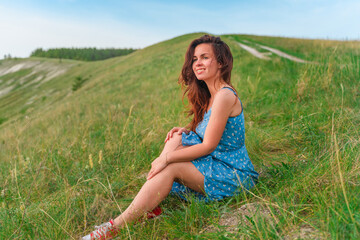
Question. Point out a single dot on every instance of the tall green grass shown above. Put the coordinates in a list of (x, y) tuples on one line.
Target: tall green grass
[(75, 159)]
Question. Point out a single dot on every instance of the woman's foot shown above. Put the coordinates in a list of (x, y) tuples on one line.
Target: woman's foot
[(102, 232), (109, 231)]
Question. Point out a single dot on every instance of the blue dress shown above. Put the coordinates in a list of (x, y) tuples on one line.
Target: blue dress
[(228, 169)]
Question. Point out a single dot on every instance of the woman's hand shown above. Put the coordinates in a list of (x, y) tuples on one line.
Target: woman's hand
[(157, 166), (178, 130)]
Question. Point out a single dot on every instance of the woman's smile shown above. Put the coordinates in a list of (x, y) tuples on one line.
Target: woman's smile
[(200, 70)]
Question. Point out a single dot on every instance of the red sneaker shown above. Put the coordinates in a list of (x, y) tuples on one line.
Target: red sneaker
[(103, 232), (154, 213), (149, 215)]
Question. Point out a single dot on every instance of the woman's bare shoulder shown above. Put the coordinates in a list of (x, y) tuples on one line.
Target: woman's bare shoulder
[(226, 98), (223, 102), (225, 95)]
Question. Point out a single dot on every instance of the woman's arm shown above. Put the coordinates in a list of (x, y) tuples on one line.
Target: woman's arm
[(221, 109)]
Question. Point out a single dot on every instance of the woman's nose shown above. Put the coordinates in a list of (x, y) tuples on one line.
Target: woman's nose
[(198, 62)]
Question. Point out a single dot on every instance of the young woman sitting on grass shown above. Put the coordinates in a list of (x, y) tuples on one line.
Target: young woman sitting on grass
[(209, 159)]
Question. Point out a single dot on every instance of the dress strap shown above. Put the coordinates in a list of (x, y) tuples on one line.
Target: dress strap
[(235, 94), (231, 90)]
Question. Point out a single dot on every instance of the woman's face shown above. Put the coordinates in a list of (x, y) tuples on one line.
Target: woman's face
[(205, 65)]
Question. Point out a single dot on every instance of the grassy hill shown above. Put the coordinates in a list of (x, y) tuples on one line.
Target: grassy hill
[(72, 159)]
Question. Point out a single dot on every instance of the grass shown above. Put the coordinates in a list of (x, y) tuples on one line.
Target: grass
[(302, 134)]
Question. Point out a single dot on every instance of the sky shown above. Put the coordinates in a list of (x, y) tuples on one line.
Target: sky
[(29, 24)]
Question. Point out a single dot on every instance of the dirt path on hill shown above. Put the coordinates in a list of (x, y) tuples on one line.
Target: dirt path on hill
[(265, 56), (254, 52), (282, 54)]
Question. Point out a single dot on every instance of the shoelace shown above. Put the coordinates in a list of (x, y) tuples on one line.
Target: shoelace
[(104, 231), (108, 224)]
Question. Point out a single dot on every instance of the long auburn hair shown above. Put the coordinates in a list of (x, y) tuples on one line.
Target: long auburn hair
[(196, 90)]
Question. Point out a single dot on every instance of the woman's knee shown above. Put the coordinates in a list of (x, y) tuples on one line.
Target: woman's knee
[(186, 173), (172, 170), (179, 170)]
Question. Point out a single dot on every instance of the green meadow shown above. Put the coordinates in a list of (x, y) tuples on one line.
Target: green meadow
[(77, 139)]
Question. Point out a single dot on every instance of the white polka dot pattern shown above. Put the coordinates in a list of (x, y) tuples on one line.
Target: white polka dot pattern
[(228, 168)]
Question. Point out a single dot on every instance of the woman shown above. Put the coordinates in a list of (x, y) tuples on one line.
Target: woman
[(210, 159)]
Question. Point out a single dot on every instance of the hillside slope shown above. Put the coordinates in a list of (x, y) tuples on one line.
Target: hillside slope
[(70, 159)]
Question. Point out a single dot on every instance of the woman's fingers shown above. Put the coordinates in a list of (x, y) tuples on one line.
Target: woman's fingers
[(167, 137), (150, 172), (153, 172), (171, 132), (151, 175), (157, 166), (179, 131), (175, 129)]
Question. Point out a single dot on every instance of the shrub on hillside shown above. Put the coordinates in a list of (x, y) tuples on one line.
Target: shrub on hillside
[(2, 120), (84, 54), (78, 82)]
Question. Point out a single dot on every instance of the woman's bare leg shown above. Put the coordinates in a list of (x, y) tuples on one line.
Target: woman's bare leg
[(157, 188)]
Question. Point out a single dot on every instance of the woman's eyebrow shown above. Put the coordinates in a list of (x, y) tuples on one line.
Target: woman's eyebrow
[(201, 54)]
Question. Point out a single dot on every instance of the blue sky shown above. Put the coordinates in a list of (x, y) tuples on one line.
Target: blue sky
[(29, 24)]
